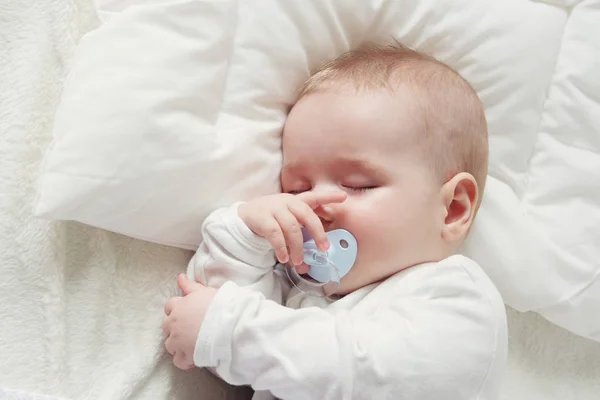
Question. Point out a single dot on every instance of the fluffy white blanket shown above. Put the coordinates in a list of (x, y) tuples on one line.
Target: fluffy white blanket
[(81, 308)]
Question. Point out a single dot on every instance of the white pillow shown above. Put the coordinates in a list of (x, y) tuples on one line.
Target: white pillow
[(174, 109)]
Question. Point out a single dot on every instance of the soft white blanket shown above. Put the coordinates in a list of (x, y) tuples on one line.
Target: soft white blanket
[(81, 308)]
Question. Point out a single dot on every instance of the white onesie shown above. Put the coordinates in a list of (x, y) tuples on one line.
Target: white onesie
[(431, 332)]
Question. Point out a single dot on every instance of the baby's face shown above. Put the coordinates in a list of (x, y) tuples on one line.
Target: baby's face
[(365, 144)]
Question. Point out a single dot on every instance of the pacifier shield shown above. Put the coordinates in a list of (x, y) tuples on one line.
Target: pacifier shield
[(333, 264)]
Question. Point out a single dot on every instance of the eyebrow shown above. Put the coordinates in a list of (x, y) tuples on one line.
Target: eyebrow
[(346, 163)]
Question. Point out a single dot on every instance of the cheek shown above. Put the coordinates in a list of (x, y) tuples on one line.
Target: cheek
[(373, 226), (386, 225), (382, 213)]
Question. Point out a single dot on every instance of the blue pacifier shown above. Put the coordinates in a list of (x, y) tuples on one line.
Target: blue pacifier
[(326, 267)]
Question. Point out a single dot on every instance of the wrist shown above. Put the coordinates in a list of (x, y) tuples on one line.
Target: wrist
[(238, 228), (242, 213), (215, 333)]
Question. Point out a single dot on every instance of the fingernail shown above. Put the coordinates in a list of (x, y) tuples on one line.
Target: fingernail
[(302, 268)]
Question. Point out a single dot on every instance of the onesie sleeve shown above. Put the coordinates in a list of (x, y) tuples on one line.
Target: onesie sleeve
[(435, 334), (230, 251)]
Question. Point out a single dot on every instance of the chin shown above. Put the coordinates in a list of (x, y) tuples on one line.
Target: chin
[(348, 286), (341, 291)]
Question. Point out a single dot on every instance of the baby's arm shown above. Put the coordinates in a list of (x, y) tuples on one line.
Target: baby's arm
[(230, 251), (442, 338), (242, 242)]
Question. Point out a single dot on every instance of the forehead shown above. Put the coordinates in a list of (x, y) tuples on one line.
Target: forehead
[(338, 163), (355, 125)]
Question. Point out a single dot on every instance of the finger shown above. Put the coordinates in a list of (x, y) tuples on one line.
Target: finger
[(181, 361), (323, 210), (302, 268), (311, 221), (170, 304), (273, 233), (186, 285), (292, 233), (170, 346), (320, 198), (166, 326)]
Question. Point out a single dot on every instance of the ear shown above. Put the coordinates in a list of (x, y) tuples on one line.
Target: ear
[(460, 195)]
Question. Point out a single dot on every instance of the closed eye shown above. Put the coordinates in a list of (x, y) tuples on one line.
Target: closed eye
[(360, 188), (295, 192)]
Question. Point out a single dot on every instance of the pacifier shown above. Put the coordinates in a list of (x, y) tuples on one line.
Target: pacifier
[(328, 267)]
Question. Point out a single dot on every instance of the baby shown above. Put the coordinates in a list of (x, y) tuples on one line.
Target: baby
[(390, 145)]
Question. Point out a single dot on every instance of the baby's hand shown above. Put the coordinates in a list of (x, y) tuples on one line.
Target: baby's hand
[(184, 319), (278, 219)]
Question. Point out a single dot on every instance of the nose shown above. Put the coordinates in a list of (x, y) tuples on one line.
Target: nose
[(325, 214)]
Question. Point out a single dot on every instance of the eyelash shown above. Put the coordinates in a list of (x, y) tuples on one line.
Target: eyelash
[(352, 188), (360, 189), (296, 192)]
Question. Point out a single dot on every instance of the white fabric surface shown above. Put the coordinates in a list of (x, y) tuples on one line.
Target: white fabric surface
[(80, 309), (173, 109), (75, 299), (433, 331), (9, 394)]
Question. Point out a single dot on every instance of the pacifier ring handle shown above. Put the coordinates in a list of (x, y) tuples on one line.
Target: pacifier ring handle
[(311, 288), (327, 267)]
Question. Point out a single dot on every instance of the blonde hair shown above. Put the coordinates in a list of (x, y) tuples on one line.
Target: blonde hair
[(455, 137)]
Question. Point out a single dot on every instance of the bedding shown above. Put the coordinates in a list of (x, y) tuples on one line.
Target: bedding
[(172, 109), (81, 307)]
